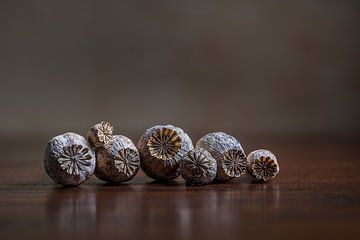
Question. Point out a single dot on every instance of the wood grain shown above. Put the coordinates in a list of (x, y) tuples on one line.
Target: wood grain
[(315, 196)]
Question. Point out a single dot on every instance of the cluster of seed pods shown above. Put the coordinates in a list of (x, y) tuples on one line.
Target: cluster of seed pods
[(163, 152)]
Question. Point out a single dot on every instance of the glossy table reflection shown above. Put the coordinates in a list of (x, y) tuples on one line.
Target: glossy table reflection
[(316, 196)]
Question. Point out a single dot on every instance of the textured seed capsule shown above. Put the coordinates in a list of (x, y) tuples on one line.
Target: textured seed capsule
[(227, 151), (263, 165), (69, 159), (100, 134), (117, 161), (198, 167), (161, 149)]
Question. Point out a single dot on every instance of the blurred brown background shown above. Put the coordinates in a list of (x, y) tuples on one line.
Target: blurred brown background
[(252, 67), (280, 75)]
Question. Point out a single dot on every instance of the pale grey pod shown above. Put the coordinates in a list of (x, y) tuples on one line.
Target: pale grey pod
[(227, 151), (118, 161), (263, 165), (100, 134), (69, 159), (161, 149), (198, 167)]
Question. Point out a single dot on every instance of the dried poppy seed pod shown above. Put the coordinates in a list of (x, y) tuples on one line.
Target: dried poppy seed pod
[(227, 151), (69, 159), (100, 134), (118, 161), (198, 167), (161, 149), (263, 165)]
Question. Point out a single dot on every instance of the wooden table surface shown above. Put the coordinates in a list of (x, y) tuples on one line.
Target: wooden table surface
[(315, 196)]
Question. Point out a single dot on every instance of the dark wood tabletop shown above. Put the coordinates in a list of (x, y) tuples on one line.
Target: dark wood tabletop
[(315, 196)]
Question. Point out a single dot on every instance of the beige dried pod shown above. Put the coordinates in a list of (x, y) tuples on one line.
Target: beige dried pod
[(198, 167), (263, 165), (161, 149), (228, 152), (118, 161), (69, 159), (100, 134)]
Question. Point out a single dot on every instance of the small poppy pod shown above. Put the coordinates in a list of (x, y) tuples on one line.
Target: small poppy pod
[(198, 167), (161, 148), (100, 134), (118, 161), (69, 159), (227, 151), (263, 165)]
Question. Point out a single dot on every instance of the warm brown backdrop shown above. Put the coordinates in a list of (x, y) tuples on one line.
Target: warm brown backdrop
[(257, 67), (281, 75)]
